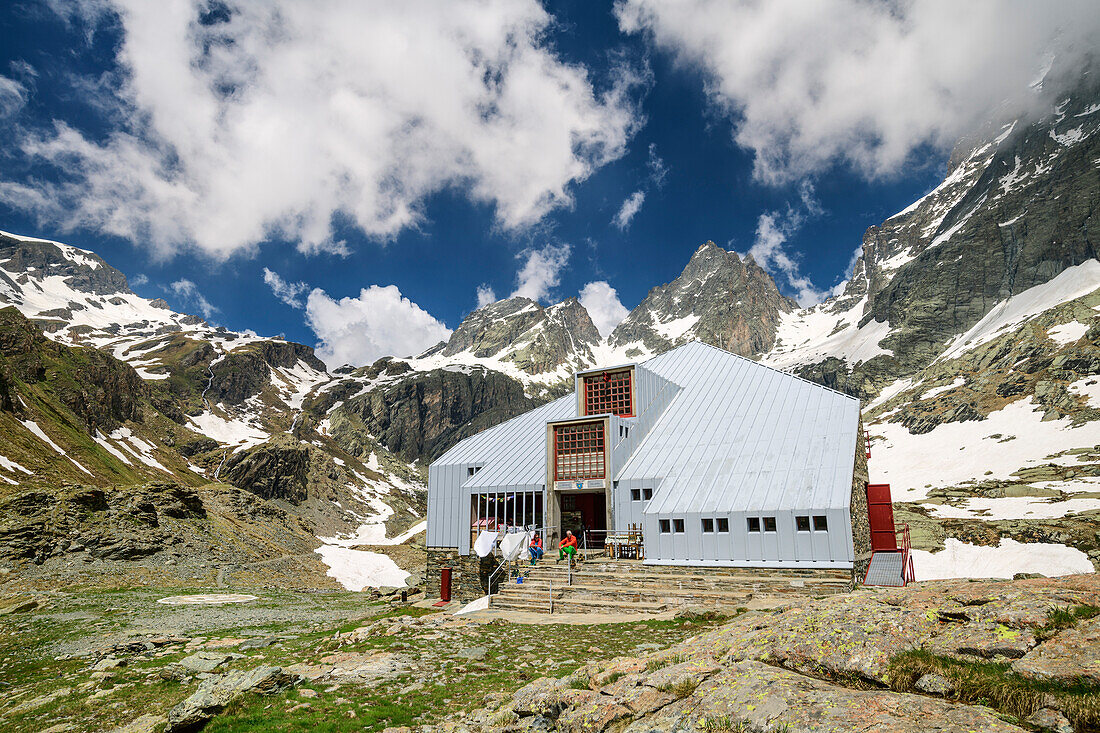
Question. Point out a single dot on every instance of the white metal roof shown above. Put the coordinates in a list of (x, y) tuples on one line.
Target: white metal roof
[(737, 436), (740, 436)]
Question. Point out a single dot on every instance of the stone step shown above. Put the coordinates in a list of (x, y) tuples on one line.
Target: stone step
[(596, 591), (625, 567), (686, 581), (571, 604)]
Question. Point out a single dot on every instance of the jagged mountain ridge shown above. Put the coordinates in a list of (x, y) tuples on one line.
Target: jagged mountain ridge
[(973, 305), (227, 406)]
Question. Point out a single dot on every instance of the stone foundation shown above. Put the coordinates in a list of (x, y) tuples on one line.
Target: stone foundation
[(861, 523), (469, 574)]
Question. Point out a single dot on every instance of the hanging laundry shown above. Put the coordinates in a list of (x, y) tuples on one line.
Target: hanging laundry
[(514, 543), (485, 543)]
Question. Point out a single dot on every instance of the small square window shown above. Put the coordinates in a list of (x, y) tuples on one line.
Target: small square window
[(647, 494), (708, 525), (769, 524), (821, 523), (754, 524), (678, 526), (723, 524), (635, 494), (471, 470), (802, 524), (666, 526)]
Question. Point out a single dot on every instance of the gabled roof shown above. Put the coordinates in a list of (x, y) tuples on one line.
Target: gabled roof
[(741, 436), (737, 436)]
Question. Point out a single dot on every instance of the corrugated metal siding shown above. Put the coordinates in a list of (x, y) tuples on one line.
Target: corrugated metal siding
[(717, 436)]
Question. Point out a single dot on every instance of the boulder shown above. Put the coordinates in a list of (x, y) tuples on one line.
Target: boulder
[(1072, 654), (217, 692)]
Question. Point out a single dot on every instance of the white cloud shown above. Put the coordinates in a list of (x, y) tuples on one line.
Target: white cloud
[(189, 294), (485, 296), (289, 293), (380, 322), (773, 229), (139, 280), (629, 208), (13, 96), (541, 271), (657, 169), (284, 115), (808, 85), (603, 305)]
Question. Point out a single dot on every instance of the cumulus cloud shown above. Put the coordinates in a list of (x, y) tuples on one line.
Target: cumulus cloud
[(139, 280), (629, 208), (485, 296), (249, 119), (541, 271), (289, 293), (808, 85), (380, 322), (189, 293), (603, 305)]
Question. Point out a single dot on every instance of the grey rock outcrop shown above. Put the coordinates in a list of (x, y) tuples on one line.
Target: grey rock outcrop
[(719, 298), (216, 693)]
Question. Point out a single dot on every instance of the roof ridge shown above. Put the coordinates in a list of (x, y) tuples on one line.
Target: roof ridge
[(757, 363)]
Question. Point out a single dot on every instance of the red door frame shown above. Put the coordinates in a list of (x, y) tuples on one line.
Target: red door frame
[(880, 515)]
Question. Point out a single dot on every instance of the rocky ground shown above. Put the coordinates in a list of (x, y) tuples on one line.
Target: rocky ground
[(942, 656), (92, 659)]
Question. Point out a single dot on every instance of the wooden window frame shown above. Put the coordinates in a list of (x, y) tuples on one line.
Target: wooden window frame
[(617, 398), (570, 440)]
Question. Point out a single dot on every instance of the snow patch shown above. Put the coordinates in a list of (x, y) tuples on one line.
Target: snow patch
[(957, 452), (1089, 388), (1070, 284), (1013, 507), (33, 427), (959, 381), (10, 465), (228, 431), (359, 569), (963, 560), (1067, 333)]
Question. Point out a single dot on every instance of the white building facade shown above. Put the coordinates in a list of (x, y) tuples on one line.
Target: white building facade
[(719, 460)]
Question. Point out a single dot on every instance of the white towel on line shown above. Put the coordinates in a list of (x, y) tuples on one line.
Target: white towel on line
[(485, 543), (513, 544)]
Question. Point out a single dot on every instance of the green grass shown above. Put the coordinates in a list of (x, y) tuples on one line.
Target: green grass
[(440, 682), (1064, 617), (996, 685)]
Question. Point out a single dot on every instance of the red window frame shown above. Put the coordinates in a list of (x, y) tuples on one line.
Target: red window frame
[(579, 451), (609, 392)]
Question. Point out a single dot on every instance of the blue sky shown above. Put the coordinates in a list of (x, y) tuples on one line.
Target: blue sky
[(417, 147)]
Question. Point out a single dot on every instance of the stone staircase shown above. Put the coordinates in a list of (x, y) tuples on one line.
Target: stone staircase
[(628, 586)]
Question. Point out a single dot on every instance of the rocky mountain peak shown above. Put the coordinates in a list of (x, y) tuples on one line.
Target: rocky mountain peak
[(718, 298)]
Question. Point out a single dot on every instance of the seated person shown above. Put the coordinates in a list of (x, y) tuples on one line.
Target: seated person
[(535, 549), (568, 546)]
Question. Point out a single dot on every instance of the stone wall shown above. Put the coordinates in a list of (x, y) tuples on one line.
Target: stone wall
[(861, 523), (469, 574)]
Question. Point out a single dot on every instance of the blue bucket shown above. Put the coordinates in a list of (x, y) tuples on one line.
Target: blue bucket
[(519, 580)]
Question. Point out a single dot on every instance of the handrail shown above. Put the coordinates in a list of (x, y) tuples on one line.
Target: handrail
[(504, 562), (907, 573)]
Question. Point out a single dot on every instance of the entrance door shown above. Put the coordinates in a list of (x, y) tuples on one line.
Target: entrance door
[(880, 513), (585, 511)]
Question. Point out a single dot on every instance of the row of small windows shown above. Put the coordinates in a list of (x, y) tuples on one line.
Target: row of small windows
[(722, 524), (641, 494)]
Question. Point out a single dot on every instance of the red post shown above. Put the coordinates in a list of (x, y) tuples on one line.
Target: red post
[(445, 584)]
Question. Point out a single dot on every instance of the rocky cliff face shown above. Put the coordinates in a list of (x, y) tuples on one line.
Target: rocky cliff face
[(420, 416), (718, 299), (520, 333)]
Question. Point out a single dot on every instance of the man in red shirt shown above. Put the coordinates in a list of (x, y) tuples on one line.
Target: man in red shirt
[(568, 546)]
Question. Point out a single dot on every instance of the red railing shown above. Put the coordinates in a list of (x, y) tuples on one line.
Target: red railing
[(907, 573), (867, 442)]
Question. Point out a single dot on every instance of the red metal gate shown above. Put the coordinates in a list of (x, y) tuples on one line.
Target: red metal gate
[(880, 513)]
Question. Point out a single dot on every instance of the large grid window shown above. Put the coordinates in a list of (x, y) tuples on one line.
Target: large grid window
[(608, 393), (578, 451)]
